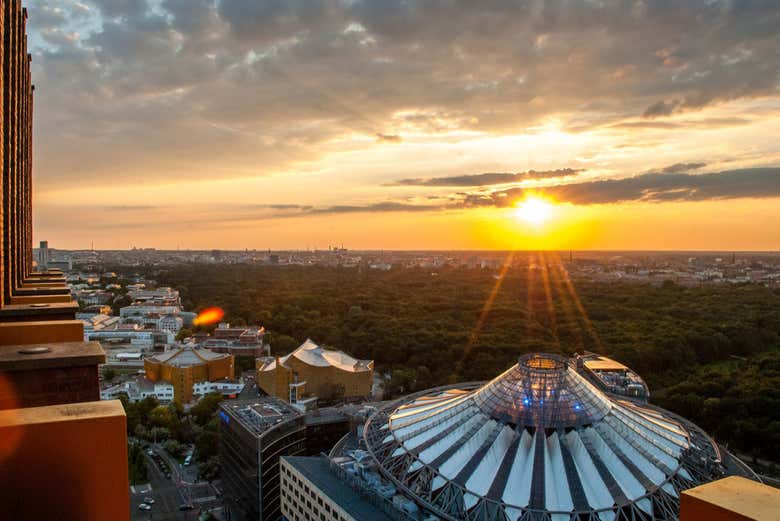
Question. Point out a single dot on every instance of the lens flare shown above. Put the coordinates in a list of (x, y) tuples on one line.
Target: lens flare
[(209, 316)]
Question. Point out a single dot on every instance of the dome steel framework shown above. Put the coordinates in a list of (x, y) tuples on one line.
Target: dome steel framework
[(539, 442)]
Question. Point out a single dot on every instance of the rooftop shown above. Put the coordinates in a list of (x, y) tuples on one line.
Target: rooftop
[(318, 471), (312, 354), (186, 356), (737, 498), (258, 415)]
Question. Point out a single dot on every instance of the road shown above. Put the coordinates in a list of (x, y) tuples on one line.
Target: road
[(169, 494)]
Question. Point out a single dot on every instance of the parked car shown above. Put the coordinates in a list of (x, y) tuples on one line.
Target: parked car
[(184, 507), (149, 500), (144, 506)]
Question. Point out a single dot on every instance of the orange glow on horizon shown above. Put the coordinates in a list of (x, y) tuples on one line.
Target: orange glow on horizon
[(209, 316)]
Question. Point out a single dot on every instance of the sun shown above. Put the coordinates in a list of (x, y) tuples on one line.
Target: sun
[(534, 210)]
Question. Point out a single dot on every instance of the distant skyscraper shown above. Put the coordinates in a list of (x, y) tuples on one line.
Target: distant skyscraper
[(43, 255)]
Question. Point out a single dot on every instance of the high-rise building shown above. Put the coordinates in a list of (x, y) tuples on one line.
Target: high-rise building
[(63, 452), (254, 434), (43, 256)]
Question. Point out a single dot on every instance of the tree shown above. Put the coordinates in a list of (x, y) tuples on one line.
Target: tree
[(183, 333), (204, 410), (209, 469), (109, 374), (164, 417), (174, 448), (207, 441)]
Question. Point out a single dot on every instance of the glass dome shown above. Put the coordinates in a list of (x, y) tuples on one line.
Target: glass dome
[(539, 442)]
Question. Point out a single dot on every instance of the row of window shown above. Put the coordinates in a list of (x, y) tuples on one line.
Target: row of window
[(302, 503)]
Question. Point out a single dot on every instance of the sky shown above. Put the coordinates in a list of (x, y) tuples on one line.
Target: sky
[(389, 124)]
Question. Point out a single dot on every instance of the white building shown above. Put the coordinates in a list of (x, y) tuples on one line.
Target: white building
[(139, 388), (171, 323)]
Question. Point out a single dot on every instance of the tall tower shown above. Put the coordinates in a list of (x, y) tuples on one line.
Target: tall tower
[(43, 256)]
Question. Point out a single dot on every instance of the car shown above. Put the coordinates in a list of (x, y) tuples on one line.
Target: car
[(184, 507), (149, 500), (144, 506), (150, 452)]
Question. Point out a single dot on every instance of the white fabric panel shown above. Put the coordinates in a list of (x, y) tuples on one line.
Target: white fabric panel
[(427, 434), (671, 439), (664, 422), (513, 513), (416, 420), (518, 484), (652, 472), (607, 516), (646, 506), (557, 496), (470, 500), (432, 452), (455, 463), (404, 416), (596, 491), (631, 486), (635, 432), (482, 478)]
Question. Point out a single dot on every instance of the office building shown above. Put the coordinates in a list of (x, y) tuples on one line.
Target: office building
[(254, 434)]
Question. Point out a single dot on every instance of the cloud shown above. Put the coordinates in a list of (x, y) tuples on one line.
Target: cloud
[(197, 89), (388, 138), (682, 167), (487, 178), (661, 108), (653, 187)]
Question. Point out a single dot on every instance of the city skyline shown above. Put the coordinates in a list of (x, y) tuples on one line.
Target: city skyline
[(201, 125)]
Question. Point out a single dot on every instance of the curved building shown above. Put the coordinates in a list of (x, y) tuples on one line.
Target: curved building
[(311, 371), (542, 441)]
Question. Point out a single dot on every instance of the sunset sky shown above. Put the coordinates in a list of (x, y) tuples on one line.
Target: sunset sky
[(406, 125)]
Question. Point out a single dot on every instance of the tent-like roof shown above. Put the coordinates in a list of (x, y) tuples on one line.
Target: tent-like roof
[(186, 356), (311, 354), (539, 442)]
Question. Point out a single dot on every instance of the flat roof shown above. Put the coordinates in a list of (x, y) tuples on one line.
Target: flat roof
[(741, 496), (260, 414), (318, 471), (605, 364)]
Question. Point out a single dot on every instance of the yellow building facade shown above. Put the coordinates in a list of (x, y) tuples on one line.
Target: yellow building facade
[(312, 371), (186, 366)]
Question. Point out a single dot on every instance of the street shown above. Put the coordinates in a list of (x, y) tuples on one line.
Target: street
[(170, 494)]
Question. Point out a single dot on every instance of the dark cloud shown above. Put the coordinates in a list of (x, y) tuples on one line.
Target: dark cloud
[(678, 168), (661, 108), (388, 138), (653, 187), (487, 179)]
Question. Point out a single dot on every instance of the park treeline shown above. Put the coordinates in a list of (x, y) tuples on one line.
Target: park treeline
[(708, 352)]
